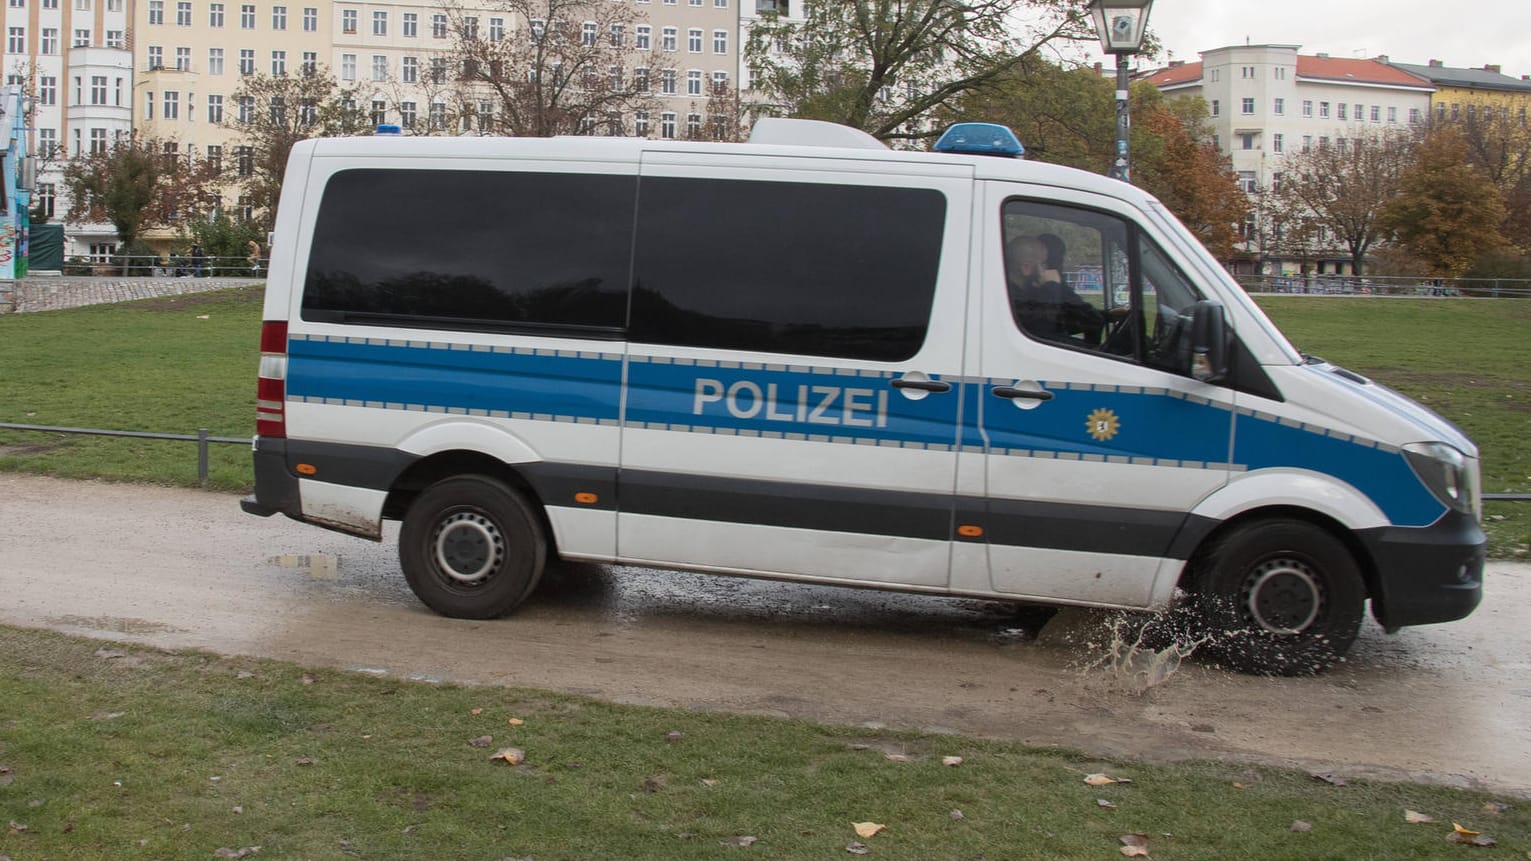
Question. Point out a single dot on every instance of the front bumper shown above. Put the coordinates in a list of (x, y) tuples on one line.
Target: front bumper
[(1426, 575)]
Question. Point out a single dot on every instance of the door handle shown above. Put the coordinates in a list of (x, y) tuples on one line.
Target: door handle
[(923, 385), (1012, 393)]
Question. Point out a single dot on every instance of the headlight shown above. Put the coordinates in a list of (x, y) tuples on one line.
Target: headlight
[(1448, 473)]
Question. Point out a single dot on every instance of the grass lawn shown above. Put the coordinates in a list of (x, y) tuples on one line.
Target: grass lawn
[(115, 752), (177, 364)]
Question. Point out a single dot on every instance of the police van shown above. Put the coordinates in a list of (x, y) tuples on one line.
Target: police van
[(810, 358)]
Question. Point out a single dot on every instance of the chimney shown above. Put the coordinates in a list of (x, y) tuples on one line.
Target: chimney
[(1490, 67), (1322, 56), (1098, 69), (1436, 64), (1175, 64), (1382, 58)]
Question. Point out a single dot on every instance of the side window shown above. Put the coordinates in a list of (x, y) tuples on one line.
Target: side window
[(1091, 281), (473, 250), (841, 271)]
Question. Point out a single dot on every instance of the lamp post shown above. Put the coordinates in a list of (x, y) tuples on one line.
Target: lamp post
[(1121, 25)]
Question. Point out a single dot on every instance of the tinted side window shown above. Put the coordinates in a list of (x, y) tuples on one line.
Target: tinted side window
[(826, 270), (472, 249)]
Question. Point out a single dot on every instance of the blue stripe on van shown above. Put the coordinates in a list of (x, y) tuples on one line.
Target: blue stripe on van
[(563, 384)]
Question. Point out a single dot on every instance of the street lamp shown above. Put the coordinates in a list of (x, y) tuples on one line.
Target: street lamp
[(1121, 25)]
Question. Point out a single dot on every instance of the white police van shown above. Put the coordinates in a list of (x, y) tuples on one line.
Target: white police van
[(807, 358)]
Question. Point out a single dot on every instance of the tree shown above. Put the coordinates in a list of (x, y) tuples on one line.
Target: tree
[(1340, 188), (1447, 212), (1499, 144), (885, 66), (543, 76), (272, 114), (1192, 178), (138, 183)]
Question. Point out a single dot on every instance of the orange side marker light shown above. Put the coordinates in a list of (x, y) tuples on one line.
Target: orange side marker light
[(968, 530), (307, 469), (586, 498)]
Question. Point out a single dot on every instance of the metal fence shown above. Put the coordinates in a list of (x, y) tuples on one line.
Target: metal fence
[(171, 266), (202, 438), (1353, 285)]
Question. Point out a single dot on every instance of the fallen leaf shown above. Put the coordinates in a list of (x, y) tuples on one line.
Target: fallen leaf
[(1463, 831), (867, 830), (475, 712), (239, 809), (1475, 840), (951, 760), (857, 848), (512, 755), (707, 781), (653, 784), (737, 841), (674, 736), (516, 722), (16, 827), (304, 760), (1417, 818), (859, 746), (956, 816), (1134, 845), (309, 679), (1135, 851), (1301, 827), (1103, 780), (895, 757), (1241, 786), (1101, 802), (204, 316), (110, 653), (246, 852), (482, 741), (1331, 778), (410, 829), (1495, 807), (244, 674)]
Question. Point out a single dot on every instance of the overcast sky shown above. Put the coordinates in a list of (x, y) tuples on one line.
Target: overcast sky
[(1461, 34)]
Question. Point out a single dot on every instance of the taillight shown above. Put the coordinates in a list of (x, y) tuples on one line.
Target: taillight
[(271, 391)]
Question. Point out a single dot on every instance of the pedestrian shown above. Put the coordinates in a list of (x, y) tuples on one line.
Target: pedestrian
[(198, 258), (254, 257)]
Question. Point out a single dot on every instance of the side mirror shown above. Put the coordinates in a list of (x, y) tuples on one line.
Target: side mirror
[(1207, 338)]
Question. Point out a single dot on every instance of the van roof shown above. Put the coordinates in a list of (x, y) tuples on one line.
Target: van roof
[(814, 144)]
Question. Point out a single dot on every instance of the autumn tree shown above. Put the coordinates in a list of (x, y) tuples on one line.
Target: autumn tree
[(271, 113), (885, 66), (1447, 211), (558, 67), (139, 183), (1195, 180), (1340, 188), (1498, 142)]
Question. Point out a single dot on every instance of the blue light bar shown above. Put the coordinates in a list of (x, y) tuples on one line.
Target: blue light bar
[(388, 129), (981, 139)]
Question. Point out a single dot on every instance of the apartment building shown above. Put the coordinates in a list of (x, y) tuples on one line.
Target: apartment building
[(1267, 101), (71, 58), (1473, 94)]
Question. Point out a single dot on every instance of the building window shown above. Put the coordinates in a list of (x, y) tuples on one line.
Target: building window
[(47, 193), (1307, 143), (279, 17), (1323, 110), (156, 58), (114, 38), (183, 59), (1277, 142), (278, 64), (246, 61), (667, 83), (1360, 113), (50, 41), (641, 36), (183, 13), (720, 41), (348, 21), (1376, 113), (407, 115), (379, 23), (16, 43), (588, 33), (379, 114), (101, 252), (1281, 73), (247, 17), (694, 40), (667, 125), (245, 209), (1248, 105), (470, 27), (244, 160), (438, 116), (1339, 112), (438, 70), (215, 61), (1413, 116), (310, 63), (47, 90), (214, 113), (667, 38), (215, 158), (1307, 108), (156, 12), (719, 83), (1247, 71), (215, 15), (641, 123), (347, 67), (410, 70), (81, 39), (694, 82), (438, 26), (1247, 181), (641, 79), (310, 19), (246, 109), (1247, 141), (172, 105), (496, 30), (1278, 107), (694, 126), (98, 89), (379, 67), (411, 25)]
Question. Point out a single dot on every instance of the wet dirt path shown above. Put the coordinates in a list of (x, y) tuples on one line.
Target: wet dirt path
[(185, 569)]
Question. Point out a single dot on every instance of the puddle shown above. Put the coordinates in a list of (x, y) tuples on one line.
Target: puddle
[(314, 566), (117, 624)]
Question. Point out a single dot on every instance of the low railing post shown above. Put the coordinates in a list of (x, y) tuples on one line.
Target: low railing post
[(202, 456)]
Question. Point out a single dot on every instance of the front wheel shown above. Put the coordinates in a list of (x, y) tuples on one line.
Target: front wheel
[(1278, 597), (472, 548)]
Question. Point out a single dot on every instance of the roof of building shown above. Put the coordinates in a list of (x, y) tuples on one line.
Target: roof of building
[(1314, 68), (1487, 78)]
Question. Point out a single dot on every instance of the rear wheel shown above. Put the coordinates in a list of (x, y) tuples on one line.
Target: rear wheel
[(472, 548), (1278, 597)]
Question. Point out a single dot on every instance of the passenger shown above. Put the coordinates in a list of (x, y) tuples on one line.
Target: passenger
[(1042, 303)]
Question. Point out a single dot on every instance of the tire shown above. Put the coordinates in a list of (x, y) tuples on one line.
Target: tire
[(1277, 597), (472, 548)]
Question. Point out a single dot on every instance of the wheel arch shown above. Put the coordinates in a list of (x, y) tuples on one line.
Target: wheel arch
[(428, 470), (1346, 536)]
